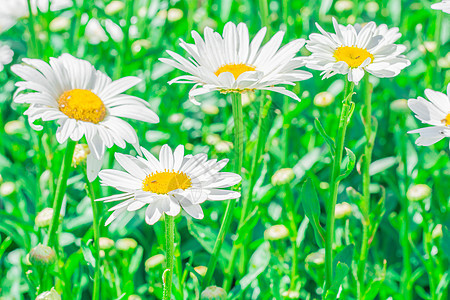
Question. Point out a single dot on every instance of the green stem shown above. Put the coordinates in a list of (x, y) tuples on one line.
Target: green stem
[(34, 40), (168, 273), (239, 151), (247, 202), (437, 39), (365, 203), (96, 229), (334, 183), (60, 191), (406, 288)]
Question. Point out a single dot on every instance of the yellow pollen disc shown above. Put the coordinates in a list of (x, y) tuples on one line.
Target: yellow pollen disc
[(446, 121), (165, 182), (82, 105), (352, 55), (235, 69)]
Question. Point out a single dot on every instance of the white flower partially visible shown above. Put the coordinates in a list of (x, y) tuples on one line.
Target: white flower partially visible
[(444, 6), (435, 112), (84, 102), (165, 185), (355, 49), (12, 10), (233, 63), (96, 34), (6, 56)]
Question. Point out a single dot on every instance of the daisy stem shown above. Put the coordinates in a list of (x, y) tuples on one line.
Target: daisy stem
[(32, 30), (60, 191), (437, 39), (239, 150), (247, 202), (169, 223), (365, 203), (334, 182), (96, 228)]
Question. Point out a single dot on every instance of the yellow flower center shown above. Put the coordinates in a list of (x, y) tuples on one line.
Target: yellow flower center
[(82, 105), (235, 69), (446, 120), (352, 55), (165, 182)]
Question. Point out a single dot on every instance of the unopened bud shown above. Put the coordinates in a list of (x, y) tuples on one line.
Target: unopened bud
[(276, 232), (114, 7), (372, 6), (7, 188), (316, 258), (437, 231), (126, 244), (174, 14), (210, 109), (400, 106), (418, 192), (154, 261), (49, 295), (283, 176), (13, 127), (80, 154), (42, 256), (213, 139), (105, 243), (223, 147), (201, 270), (342, 210), (134, 297), (60, 23), (343, 5), (323, 99), (214, 293), (428, 46), (291, 294), (176, 118), (44, 217)]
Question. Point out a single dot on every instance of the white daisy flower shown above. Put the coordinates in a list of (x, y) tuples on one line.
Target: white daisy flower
[(167, 184), (6, 56), (435, 112), (444, 6), (84, 101), (233, 63), (356, 49)]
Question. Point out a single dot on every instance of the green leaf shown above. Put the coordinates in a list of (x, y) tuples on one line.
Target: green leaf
[(311, 206), (374, 286), (136, 260), (4, 245), (350, 164), (326, 137), (445, 242), (248, 225), (345, 256), (381, 165), (341, 272), (354, 195), (88, 257)]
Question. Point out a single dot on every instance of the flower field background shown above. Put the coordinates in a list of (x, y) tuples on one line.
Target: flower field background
[(392, 244)]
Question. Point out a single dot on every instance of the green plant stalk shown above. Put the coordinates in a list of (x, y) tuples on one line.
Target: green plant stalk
[(34, 40), (96, 229), (365, 203), (436, 83), (239, 151), (247, 202), (334, 183), (293, 235), (169, 223), (406, 288), (60, 191)]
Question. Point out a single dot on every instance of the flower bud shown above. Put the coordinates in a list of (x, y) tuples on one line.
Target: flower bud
[(428, 46), (437, 231), (13, 127), (60, 23), (174, 14), (49, 295), (105, 243), (291, 294), (42, 256), (154, 261), (176, 118), (343, 5), (223, 147), (80, 154), (276, 232), (126, 244), (283, 176), (114, 7), (323, 99), (44, 217), (134, 297), (214, 293), (210, 109), (418, 192), (342, 210), (138, 45), (316, 258), (400, 106), (213, 139), (200, 270), (7, 188), (372, 7)]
